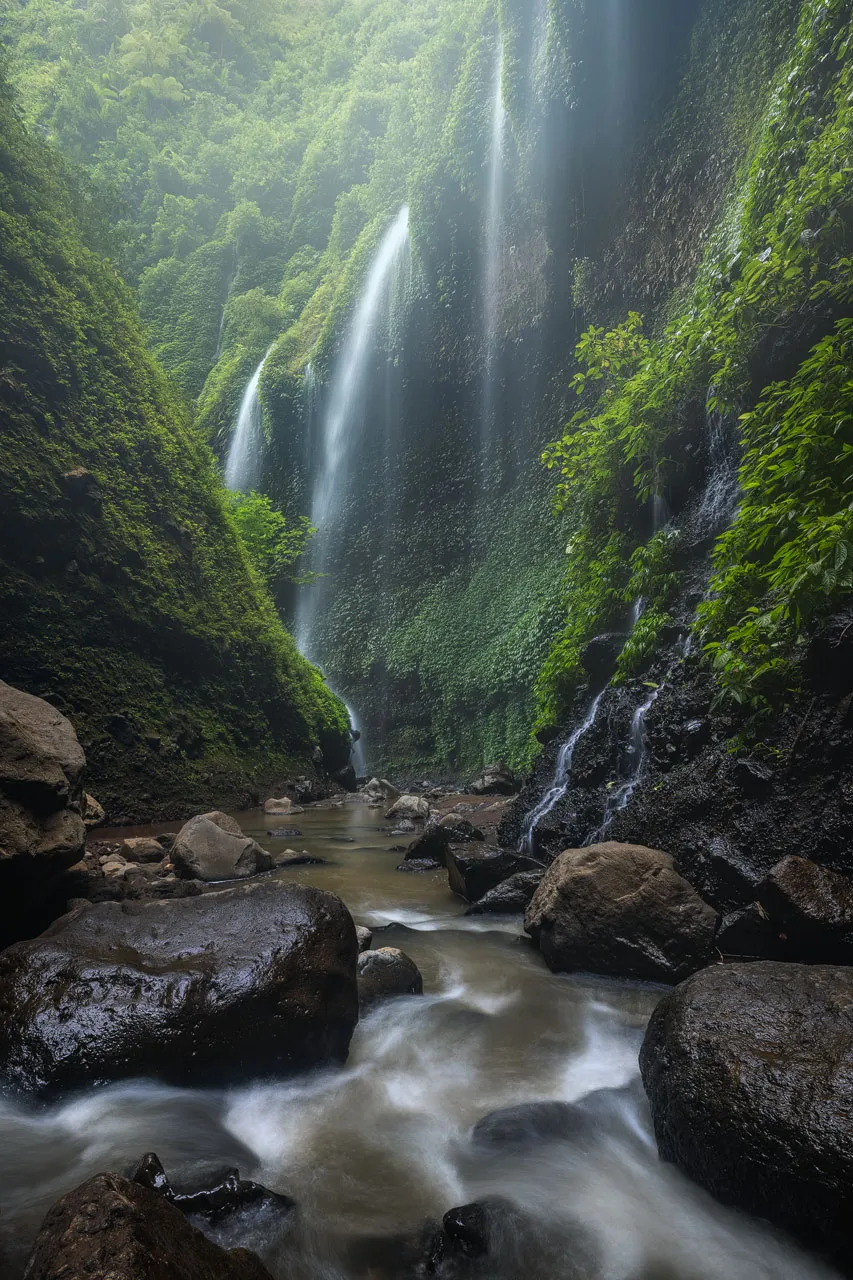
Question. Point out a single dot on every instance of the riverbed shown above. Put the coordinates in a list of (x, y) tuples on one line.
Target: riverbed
[(371, 1150)]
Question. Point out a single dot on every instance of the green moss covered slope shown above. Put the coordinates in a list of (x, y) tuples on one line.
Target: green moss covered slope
[(126, 595)]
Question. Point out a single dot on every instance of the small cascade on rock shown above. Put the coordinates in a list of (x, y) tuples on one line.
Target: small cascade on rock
[(494, 227), (245, 456), (358, 758), (309, 414), (562, 779), (722, 490)]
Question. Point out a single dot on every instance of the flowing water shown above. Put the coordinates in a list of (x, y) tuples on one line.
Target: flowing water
[(245, 456), (562, 778), (372, 1149)]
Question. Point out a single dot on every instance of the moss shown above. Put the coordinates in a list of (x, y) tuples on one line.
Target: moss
[(127, 594)]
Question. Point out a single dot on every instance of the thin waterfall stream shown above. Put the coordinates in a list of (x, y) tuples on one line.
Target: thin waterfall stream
[(245, 456)]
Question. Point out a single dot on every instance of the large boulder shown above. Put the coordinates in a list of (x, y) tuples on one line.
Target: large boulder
[(620, 909), (510, 898), (387, 972), (42, 802), (415, 808), (474, 869), (257, 978), (496, 779), (749, 1072), (811, 907), (113, 1229), (212, 847)]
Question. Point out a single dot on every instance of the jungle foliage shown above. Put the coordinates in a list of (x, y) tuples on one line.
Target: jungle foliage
[(126, 592)]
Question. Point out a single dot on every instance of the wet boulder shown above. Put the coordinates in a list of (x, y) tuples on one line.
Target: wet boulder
[(278, 807), (432, 844), (252, 979), (379, 789), (527, 1125), (415, 808), (749, 1072), (497, 780), (387, 972), (620, 909), (509, 898), (600, 656), (42, 801), (212, 847), (811, 907), (474, 869), (365, 938), (221, 1196), (112, 1227)]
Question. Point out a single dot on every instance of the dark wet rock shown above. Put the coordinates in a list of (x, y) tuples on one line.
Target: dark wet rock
[(527, 1125), (403, 828), (749, 934), (600, 656), (346, 778), (387, 972), (752, 777), (42, 800), (511, 897), (620, 909), (83, 489), (291, 859), (212, 847), (468, 1228), (829, 660), (222, 1196), (497, 780), (142, 849), (432, 844), (414, 868), (285, 833), (749, 1072), (257, 978), (811, 907), (113, 1229), (730, 870), (365, 938), (474, 869)]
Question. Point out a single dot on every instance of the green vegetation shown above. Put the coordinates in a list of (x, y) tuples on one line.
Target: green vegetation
[(274, 546), (126, 593), (778, 264)]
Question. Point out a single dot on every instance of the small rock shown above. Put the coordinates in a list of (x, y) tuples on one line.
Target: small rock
[(93, 813), (284, 833), (365, 938), (511, 897), (212, 847), (812, 908), (142, 849), (278, 806), (753, 778), (474, 869), (114, 867), (403, 828), (225, 1195), (387, 972), (496, 779), (413, 808)]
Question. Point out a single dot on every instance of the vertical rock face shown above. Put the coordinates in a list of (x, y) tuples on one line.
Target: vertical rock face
[(749, 1072), (254, 979), (620, 909), (42, 831), (110, 1227)]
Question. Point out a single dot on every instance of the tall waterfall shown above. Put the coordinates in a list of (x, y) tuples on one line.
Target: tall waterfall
[(243, 465), (493, 248), (335, 448)]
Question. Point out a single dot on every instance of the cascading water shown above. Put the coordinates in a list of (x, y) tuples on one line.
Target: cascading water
[(243, 465), (358, 759), (562, 779), (337, 437), (493, 250), (722, 489)]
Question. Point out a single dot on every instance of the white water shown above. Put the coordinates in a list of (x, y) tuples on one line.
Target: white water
[(349, 377), (722, 489), (493, 249), (243, 466), (562, 778), (637, 752), (370, 1150), (358, 758)]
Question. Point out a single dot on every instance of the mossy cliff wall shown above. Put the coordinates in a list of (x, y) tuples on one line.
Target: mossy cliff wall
[(125, 595)]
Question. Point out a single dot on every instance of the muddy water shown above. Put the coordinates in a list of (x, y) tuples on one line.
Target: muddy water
[(371, 1150)]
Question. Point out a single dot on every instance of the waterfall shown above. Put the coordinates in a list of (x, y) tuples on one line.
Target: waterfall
[(493, 249), (334, 450), (562, 778), (243, 466), (359, 760), (637, 752), (722, 489)]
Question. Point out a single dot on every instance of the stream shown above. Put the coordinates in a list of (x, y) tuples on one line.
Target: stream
[(372, 1150)]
